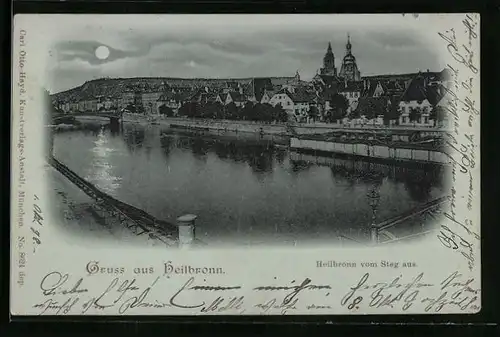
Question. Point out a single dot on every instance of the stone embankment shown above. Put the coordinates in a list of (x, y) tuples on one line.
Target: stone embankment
[(398, 152)]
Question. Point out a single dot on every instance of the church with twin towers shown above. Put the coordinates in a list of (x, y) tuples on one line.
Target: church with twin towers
[(348, 70)]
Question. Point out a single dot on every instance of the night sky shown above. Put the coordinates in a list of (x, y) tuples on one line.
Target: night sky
[(232, 46)]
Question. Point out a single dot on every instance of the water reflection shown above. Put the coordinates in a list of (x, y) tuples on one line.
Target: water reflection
[(167, 142), (260, 156), (100, 171), (133, 137), (418, 180), (242, 187), (299, 165)]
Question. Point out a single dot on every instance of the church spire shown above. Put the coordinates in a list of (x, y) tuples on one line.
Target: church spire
[(349, 69), (329, 62)]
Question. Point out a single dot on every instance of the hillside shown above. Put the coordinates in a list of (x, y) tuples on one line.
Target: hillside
[(115, 87)]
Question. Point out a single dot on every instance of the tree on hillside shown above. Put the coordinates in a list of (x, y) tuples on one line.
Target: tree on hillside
[(371, 107), (166, 111), (264, 112), (211, 110), (140, 109), (231, 111), (355, 113), (248, 112), (339, 103), (313, 113), (338, 108), (333, 115), (392, 113), (190, 109), (221, 114), (279, 114)]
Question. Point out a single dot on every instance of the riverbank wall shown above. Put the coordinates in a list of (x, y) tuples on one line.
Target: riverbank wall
[(299, 134), (226, 125), (236, 126), (401, 152), (316, 128), (277, 128)]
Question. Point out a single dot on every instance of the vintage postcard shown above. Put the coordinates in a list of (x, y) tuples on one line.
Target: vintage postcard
[(245, 164)]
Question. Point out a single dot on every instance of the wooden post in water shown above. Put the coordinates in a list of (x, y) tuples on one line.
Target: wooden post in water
[(186, 228), (374, 234)]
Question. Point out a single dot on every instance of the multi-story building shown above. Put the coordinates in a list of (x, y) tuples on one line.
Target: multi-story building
[(295, 103), (73, 105), (219, 98), (169, 100), (81, 105), (235, 97), (266, 96), (90, 104), (372, 108), (127, 98), (149, 99), (66, 107), (352, 92), (138, 100), (106, 103), (415, 99)]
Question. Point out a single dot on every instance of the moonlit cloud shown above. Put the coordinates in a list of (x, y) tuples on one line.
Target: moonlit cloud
[(230, 51)]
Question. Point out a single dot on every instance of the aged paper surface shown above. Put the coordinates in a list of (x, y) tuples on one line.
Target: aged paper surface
[(231, 165)]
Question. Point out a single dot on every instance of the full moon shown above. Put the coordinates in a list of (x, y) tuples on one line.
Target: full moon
[(102, 52)]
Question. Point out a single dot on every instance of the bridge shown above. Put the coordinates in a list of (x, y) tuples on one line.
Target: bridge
[(114, 116)]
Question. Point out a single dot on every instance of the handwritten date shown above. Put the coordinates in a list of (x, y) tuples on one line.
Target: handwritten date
[(38, 221)]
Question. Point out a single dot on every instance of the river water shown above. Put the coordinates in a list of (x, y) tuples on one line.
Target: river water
[(244, 188)]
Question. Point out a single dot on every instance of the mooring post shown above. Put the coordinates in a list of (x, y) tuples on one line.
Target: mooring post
[(186, 227)]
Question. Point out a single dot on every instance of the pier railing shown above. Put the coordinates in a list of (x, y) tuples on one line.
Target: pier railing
[(382, 228), (138, 221), (380, 233)]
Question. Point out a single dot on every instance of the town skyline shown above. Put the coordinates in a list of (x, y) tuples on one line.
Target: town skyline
[(234, 78), (240, 52)]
